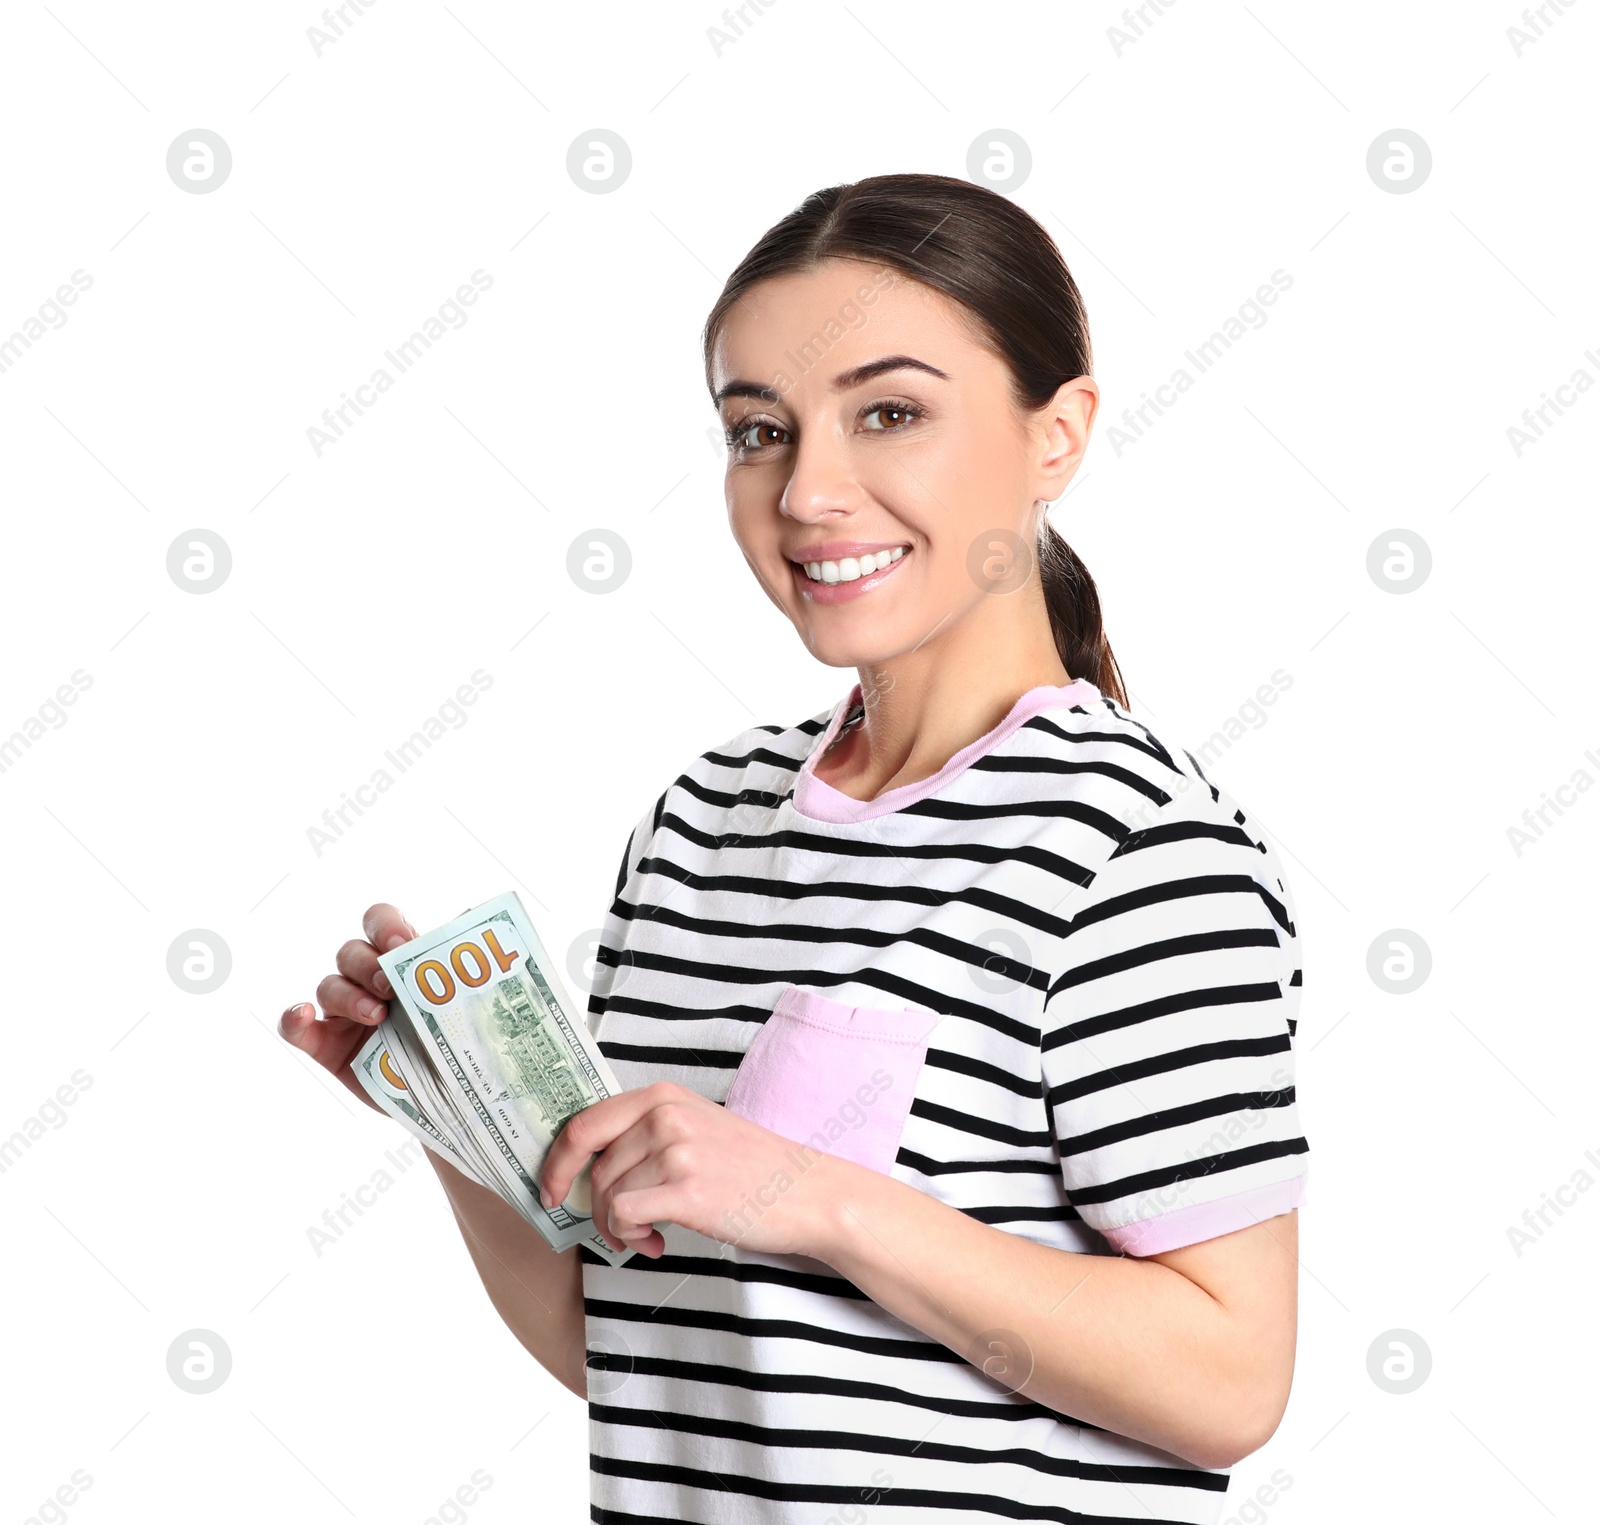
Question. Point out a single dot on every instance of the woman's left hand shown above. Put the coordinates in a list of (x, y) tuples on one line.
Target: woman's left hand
[(664, 1154)]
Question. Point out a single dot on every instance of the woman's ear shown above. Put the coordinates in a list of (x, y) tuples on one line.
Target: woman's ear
[(1064, 425)]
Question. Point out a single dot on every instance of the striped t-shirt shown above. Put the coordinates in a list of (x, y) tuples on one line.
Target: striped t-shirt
[(1076, 959)]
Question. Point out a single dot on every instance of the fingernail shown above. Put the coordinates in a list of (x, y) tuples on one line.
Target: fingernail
[(381, 980), (396, 940), (544, 1197), (372, 1008)]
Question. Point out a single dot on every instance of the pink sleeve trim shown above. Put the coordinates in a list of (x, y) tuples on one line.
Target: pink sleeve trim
[(1207, 1220)]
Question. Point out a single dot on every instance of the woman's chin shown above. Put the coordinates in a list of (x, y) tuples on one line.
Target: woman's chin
[(832, 650)]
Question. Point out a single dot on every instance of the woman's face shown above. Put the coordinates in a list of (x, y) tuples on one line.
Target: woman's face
[(872, 423)]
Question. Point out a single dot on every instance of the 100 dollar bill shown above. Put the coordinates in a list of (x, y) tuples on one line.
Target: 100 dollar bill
[(481, 1030)]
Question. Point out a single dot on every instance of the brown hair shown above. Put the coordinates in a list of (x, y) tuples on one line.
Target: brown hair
[(990, 256)]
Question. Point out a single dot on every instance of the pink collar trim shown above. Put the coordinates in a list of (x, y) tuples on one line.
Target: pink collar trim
[(822, 802)]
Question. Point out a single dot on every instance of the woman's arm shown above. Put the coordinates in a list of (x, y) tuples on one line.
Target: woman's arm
[(537, 1291), (1191, 1351)]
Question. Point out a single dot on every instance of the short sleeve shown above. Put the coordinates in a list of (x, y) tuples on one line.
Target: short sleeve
[(618, 917), (1167, 1048)]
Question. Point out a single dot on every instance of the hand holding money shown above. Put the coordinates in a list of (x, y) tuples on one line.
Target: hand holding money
[(482, 1055), (353, 1001)]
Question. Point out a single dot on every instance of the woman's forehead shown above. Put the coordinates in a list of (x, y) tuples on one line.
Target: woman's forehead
[(835, 319)]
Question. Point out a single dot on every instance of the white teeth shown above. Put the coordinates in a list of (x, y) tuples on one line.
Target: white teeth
[(851, 568)]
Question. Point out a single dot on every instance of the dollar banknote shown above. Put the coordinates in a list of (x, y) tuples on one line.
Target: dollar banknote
[(483, 1056)]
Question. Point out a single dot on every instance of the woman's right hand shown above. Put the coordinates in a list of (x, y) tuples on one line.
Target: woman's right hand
[(354, 1001)]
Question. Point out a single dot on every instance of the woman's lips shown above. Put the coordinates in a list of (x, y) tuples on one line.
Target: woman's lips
[(843, 592)]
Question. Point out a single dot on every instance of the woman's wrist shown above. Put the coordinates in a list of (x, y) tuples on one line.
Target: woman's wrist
[(839, 1208)]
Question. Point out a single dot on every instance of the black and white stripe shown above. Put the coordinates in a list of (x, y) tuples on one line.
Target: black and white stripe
[(1110, 944)]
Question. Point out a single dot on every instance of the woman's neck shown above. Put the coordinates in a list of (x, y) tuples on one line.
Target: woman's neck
[(921, 710)]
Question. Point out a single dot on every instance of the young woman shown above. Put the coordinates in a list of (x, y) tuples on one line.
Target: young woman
[(960, 1143)]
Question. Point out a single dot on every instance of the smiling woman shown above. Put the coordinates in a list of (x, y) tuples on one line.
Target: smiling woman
[(958, 1136), (1002, 1223), (962, 400)]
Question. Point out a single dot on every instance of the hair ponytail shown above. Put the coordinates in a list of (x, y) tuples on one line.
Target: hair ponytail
[(990, 256), (1075, 620)]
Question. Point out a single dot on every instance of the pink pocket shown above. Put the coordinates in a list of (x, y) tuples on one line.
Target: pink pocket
[(839, 1078)]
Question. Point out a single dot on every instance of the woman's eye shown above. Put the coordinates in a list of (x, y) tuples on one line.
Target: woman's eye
[(760, 434), (900, 411), (739, 436)]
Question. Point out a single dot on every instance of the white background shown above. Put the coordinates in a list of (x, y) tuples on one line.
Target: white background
[(1177, 171)]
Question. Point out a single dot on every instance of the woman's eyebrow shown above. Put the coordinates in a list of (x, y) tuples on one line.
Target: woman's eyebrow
[(857, 374), (841, 383)]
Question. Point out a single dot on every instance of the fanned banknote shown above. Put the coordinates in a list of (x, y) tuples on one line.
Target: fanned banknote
[(483, 1056)]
